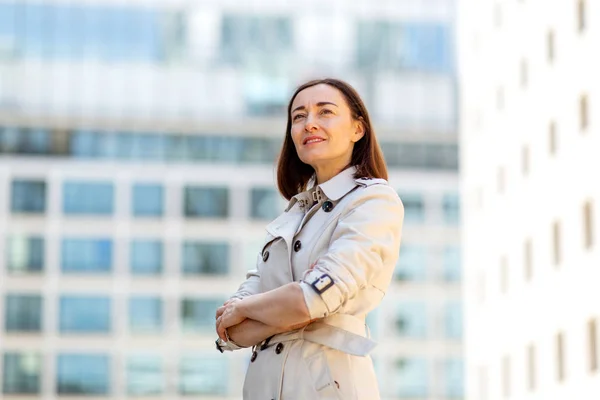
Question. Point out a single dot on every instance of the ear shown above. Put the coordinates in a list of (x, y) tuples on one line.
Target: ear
[(359, 130)]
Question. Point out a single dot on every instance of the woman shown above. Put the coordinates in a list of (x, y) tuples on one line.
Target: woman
[(327, 260)]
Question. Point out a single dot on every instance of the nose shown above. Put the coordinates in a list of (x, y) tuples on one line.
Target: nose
[(309, 123)]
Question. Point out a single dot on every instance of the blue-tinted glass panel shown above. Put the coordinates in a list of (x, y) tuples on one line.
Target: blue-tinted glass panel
[(86, 255), (25, 254), (205, 258), (412, 265), (144, 375), (146, 257), (454, 373), (414, 208), (148, 147), (88, 198), (411, 320), (207, 202), (85, 314), (147, 200), (452, 264), (264, 203), (145, 314), (18, 140), (453, 322), (23, 313), (421, 155), (203, 374), (452, 208), (21, 371), (198, 315), (84, 374), (411, 378), (28, 196)]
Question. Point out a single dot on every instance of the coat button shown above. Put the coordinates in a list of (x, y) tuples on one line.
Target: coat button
[(279, 348), (253, 358), (327, 206), (297, 246), (266, 256)]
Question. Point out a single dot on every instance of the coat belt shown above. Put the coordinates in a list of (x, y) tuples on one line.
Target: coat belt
[(343, 332)]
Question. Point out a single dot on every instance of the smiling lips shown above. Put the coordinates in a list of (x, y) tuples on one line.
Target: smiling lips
[(312, 139)]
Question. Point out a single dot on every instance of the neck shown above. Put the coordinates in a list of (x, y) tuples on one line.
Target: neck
[(324, 174)]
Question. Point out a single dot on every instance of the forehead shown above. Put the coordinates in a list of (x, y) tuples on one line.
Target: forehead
[(319, 93)]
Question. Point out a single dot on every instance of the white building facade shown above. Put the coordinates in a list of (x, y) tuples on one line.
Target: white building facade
[(529, 140), (137, 151)]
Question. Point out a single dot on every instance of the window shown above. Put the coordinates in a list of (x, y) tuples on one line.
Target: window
[(86, 255), (205, 258), (560, 357), (81, 198), (414, 207), (452, 264), (552, 140), (453, 320), (203, 375), (592, 345), (29, 141), (531, 366), (525, 160), (556, 253), (581, 15), (588, 225), (264, 204), (144, 375), (528, 259), (85, 374), (28, 196), (421, 155), (506, 390), (583, 112), (401, 46), (145, 314), (23, 313), (266, 94), (411, 320), (206, 202), (147, 200), (411, 378), (21, 373), (198, 315), (452, 208), (146, 257), (25, 254), (85, 314), (412, 265), (550, 46), (454, 373)]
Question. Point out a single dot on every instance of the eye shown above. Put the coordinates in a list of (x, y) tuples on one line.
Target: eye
[(297, 117), (326, 111)]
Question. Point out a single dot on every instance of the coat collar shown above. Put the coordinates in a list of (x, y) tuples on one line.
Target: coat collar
[(334, 189)]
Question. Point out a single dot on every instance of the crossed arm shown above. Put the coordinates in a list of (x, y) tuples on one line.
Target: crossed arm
[(254, 318)]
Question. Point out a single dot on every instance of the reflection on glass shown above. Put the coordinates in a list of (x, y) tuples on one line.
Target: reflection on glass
[(452, 208), (454, 373), (205, 258), (414, 208), (198, 315), (264, 203), (86, 255), (412, 320), (92, 198), (452, 264), (453, 320), (207, 202), (85, 314), (30, 141), (426, 156), (144, 375), (21, 373), (146, 257), (23, 313), (147, 200), (25, 254), (28, 196), (85, 374), (411, 264), (411, 378), (203, 374), (145, 314)]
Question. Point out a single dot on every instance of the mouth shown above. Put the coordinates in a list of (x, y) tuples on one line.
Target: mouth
[(312, 139)]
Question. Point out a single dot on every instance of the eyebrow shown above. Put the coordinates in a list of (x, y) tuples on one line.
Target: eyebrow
[(320, 104)]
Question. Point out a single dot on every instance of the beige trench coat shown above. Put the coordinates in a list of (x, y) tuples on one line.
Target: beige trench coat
[(352, 236)]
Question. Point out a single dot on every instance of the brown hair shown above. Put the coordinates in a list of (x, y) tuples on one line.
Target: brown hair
[(293, 175)]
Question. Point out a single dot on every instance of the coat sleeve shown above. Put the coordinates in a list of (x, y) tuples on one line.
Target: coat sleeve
[(364, 244)]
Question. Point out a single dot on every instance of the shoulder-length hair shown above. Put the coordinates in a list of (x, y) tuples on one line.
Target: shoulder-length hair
[(293, 175)]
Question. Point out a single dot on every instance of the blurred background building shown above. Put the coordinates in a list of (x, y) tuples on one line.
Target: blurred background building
[(529, 164), (137, 151)]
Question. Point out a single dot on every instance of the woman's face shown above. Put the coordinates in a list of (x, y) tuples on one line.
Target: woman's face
[(323, 129)]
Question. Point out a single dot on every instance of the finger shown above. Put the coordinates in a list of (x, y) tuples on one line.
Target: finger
[(219, 312)]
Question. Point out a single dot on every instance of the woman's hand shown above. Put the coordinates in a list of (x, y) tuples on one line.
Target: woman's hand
[(228, 315)]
